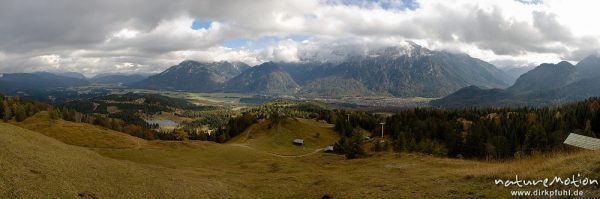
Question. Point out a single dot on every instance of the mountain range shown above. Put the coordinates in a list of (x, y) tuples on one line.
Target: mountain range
[(546, 84), (407, 71), (402, 71)]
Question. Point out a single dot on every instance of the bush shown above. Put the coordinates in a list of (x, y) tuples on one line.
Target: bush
[(21, 114), (351, 147), (379, 146)]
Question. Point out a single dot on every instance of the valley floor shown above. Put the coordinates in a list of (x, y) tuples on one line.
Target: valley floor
[(37, 164)]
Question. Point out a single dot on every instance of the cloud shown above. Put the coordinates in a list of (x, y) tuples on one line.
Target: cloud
[(283, 51), (137, 36)]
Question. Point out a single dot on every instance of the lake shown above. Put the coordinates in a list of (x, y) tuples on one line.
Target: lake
[(161, 122)]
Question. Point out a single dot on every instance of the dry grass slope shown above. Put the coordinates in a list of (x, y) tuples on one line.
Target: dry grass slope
[(33, 165), (80, 134)]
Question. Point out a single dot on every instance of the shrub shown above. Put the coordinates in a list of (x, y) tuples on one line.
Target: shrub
[(351, 147)]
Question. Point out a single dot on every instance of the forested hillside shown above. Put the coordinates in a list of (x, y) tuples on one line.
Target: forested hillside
[(495, 133)]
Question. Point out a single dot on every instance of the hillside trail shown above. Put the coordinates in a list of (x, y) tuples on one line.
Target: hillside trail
[(278, 155)]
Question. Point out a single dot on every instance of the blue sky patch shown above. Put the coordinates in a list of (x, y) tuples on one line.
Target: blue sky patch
[(235, 43), (196, 25), (299, 38), (263, 41), (385, 4), (531, 1)]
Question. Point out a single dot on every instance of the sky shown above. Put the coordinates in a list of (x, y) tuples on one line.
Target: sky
[(140, 36)]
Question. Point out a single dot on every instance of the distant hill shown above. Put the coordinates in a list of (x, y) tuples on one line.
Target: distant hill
[(42, 80), (547, 84), (194, 76), (72, 74), (267, 78), (11, 83), (544, 77), (587, 68), (117, 78), (474, 95), (515, 72), (11, 88)]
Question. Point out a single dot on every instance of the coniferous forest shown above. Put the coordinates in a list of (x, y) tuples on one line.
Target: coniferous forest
[(491, 133)]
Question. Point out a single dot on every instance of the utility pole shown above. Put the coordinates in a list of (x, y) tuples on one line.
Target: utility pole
[(382, 131), (348, 114)]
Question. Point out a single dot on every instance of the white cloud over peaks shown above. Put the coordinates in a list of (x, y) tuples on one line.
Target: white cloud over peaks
[(216, 54), (282, 51)]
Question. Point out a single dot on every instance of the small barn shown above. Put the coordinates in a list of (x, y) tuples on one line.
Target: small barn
[(298, 142), (328, 149), (581, 141)]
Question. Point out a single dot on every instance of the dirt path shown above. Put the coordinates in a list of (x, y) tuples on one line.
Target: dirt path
[(279, 155)]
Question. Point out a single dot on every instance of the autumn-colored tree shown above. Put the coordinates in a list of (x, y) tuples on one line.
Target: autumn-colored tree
[(53, 114), (588, 129), (132, 129), (7, 113), (116, 124), (149, 135), (180, 134)]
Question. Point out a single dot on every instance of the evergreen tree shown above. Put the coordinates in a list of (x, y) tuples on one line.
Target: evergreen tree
[(21, 113), (535, 139)]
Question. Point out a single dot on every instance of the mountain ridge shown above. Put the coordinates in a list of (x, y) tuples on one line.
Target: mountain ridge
[(547, 84), (194, 76), (267, 78)]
